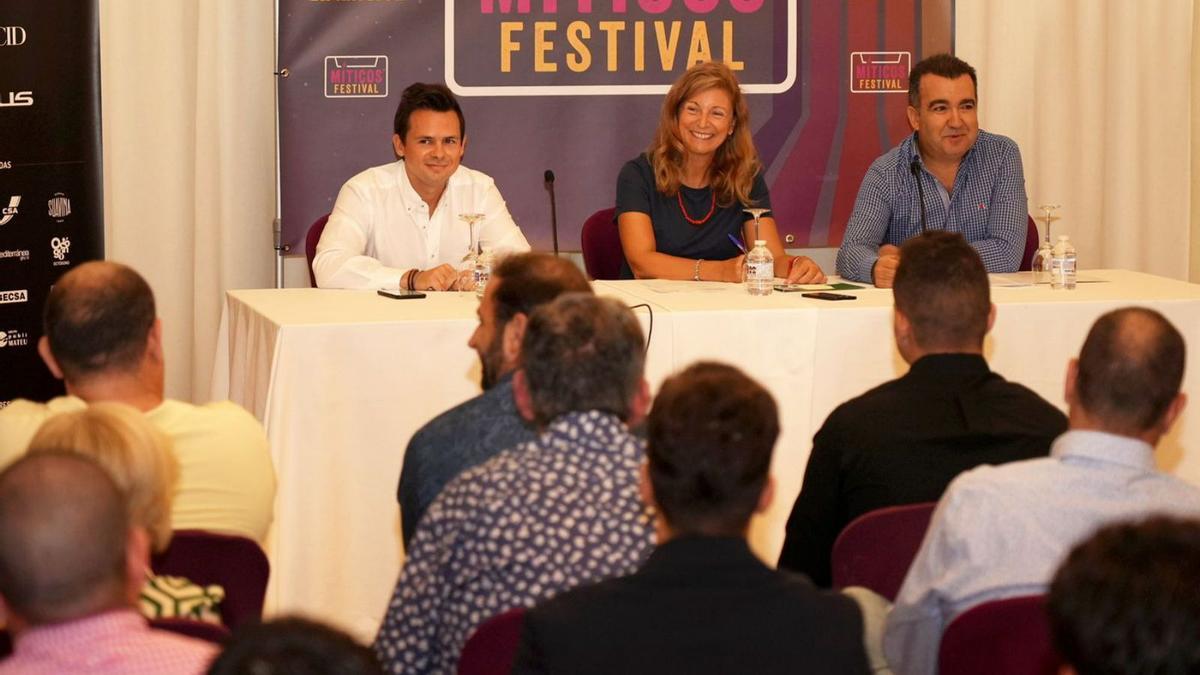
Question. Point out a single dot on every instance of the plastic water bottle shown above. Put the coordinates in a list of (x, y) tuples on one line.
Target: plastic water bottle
[(1062, 264), (760, 269), (483, 271)]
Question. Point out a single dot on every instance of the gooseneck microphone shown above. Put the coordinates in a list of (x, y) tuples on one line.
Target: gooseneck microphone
[(916, 172), (549, 178)]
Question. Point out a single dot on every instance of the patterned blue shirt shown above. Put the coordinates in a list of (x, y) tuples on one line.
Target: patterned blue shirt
[(1001, 531), (987, 205), (543, 517)]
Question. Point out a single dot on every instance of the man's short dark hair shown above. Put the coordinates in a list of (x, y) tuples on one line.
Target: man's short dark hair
[(582, 352), (63, 534), (942, 288), (942, 65), (527, 280), (1127, 600), (422, 96), (710, 436), (1130, 369), (98, 318), (293, 646)]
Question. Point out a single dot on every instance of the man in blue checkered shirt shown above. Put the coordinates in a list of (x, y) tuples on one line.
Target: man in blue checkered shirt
[(972, 181)]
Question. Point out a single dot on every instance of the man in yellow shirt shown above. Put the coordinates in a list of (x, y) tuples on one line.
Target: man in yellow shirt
[(104, 340)]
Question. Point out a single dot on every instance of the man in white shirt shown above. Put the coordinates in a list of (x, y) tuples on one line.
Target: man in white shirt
[(1000, 531), (401, 225)]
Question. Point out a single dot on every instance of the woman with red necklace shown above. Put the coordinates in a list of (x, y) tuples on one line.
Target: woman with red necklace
[(679, 203)]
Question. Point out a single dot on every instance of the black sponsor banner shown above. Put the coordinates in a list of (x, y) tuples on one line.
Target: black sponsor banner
[(51, 207)]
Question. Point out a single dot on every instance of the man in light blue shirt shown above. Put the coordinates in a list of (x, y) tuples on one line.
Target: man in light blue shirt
[(948, 175), (1002, 531)]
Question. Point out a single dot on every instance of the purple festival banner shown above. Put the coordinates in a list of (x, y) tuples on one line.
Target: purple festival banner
[(575, 86)]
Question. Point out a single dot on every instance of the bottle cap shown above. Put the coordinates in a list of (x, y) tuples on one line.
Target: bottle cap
[(760, 242)]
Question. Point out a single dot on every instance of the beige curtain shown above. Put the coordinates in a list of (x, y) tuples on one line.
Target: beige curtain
[(189, 179), (1098, 95)]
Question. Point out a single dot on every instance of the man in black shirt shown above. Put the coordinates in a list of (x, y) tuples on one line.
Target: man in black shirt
[(904, 441)]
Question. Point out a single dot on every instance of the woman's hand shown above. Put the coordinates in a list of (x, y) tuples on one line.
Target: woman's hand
[(730, 270), (803, 270)]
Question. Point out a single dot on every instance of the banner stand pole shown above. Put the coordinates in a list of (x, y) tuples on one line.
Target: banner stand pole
[(277, 223)]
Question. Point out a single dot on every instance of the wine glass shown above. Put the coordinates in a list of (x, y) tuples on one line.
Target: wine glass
[(466, 271), (757, 214), (1040, 266)]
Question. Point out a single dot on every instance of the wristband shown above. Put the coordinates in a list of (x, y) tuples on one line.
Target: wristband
[(696, 270)]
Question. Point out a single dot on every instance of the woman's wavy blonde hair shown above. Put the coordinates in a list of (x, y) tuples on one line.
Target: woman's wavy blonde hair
[(735, 164), (139, 457)]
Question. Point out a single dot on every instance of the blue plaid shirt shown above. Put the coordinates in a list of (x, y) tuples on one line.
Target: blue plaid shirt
[(988, 206)]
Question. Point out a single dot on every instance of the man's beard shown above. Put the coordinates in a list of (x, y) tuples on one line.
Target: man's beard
[(491, 363)]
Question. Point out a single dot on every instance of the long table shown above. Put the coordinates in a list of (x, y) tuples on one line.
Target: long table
[(342, 379)]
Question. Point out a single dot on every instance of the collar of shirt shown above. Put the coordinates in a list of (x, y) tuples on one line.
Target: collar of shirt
[(952, 366), (569, 428), (1104, 447), (53, 637)]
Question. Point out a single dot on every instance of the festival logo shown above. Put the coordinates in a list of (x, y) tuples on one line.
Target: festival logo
[(59, 247), (552, 48), (9, 212), (14, 338), (20, 254), (5, 164), (356, 76), (15, 295), (879, 72), (59, 206)]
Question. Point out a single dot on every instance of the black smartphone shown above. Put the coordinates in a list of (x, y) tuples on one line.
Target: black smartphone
[(401, 294), (828, 296)]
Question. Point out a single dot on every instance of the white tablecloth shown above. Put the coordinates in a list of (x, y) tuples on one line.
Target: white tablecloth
[(342, 379)]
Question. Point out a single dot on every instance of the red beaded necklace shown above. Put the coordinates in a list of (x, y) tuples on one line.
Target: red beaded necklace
[(711, 209)]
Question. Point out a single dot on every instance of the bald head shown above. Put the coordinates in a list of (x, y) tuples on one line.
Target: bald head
[(1130, 370), (97, 319), (63, 529)]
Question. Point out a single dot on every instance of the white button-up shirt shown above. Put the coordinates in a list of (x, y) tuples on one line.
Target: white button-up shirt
[(380, 227)]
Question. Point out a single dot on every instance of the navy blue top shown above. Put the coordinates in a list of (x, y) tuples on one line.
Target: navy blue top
[(673, 234)]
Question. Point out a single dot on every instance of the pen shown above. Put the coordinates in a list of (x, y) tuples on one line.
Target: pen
[(737, 242)]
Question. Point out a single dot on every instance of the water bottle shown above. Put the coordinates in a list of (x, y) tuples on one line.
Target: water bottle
[(1062, 264), (760, 269), (483, 271)]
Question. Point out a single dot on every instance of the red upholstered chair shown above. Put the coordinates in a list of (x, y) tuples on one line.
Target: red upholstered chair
[(876, 549), (999, 638), (236, 563), (196, 629), (601, 243), (492, 648), (1031, 245), (314, 236)]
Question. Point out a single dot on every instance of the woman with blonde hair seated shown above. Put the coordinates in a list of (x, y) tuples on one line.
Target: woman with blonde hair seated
[(141, 461), (680, 205)]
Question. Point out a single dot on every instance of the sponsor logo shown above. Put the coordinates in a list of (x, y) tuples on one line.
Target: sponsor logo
[(9, 212), (60, 246), (17, 99), (12, 36), (14, 338), (879, 72), (15, 295), (5, 164), (59, 206), (356, 76), (20, 254)]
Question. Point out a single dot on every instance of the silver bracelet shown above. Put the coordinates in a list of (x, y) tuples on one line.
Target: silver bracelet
[(696, 270)]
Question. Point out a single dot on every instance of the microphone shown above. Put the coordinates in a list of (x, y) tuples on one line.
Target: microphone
[(549, 178), (916, 172)]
